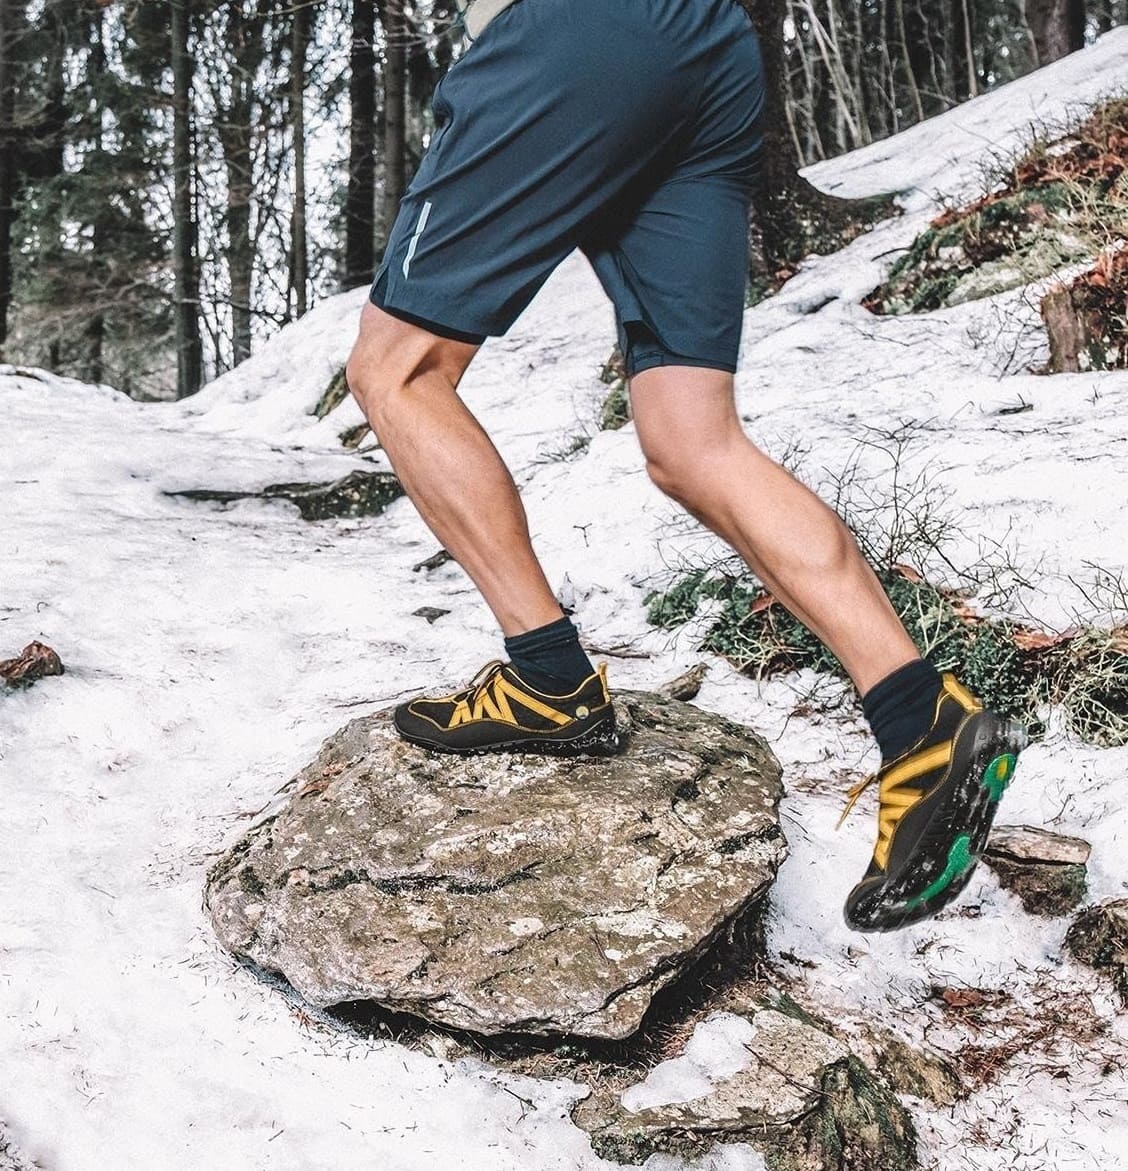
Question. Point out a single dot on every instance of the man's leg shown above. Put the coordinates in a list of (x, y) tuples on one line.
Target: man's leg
[(939, 792), (405, 379), (697, 452)]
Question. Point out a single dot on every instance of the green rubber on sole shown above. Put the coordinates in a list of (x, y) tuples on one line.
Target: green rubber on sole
[(997, 775), (959, 859)]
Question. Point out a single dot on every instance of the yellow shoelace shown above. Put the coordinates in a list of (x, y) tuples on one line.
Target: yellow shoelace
[(852, 796), (481, 681)]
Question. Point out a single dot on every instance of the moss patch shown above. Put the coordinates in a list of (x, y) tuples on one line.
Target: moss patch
[(1011, 667), (332, 396), (1057, 203)]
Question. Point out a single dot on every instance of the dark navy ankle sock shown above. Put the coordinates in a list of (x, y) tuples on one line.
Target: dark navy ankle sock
[(900, 707), (550, 657)]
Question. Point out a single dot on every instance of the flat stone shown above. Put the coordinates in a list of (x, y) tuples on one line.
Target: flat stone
[(507, 893), (1046, 870), (1028, 843)]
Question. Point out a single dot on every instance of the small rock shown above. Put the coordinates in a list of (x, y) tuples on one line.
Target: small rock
[(914, 1071), (1046, 870), (1099, 937), (781, 1084), (34, 662), (431, 613), (432, 562), (685, 686), (353, 437), (332, 396)]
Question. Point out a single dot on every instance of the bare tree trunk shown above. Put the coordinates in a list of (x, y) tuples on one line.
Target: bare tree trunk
[(189, 358), (924, 31), (903, 46), (968, 24), (11, 17), (299, 248), (96, 326), (793, 217), (360, 202), (1058, 27), (395, 110), (236, 133), (829, 50)]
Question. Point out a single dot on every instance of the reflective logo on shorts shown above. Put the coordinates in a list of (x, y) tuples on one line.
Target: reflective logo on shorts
[(415, 239)]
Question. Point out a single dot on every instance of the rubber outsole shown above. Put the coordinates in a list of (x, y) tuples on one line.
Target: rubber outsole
[(953, 840), (589, 744)]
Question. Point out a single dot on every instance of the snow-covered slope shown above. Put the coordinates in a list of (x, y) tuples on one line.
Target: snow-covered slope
[(210, 651)]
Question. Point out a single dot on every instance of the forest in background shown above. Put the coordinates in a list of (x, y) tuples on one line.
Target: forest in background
[(179, 179)]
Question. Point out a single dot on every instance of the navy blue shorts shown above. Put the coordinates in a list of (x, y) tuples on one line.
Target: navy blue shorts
[(629, 129)]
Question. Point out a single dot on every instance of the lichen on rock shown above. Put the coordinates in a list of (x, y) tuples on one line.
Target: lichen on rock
[(358, 493)]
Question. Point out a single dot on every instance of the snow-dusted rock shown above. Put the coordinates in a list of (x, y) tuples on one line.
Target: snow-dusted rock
[(1046, 870), (771, 1079), (359, 493), (507, 893)]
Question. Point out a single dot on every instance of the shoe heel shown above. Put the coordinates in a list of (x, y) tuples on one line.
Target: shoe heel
[(999, 771), (997, 775)]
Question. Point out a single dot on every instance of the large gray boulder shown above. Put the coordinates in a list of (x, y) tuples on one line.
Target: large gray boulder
[(505, 893)]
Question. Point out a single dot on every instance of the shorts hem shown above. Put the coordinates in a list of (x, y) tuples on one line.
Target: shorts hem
[(650, 361), (441, 328)]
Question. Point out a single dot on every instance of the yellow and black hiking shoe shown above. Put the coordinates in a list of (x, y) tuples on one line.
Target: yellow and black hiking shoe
[(499, 712), (937, 801)]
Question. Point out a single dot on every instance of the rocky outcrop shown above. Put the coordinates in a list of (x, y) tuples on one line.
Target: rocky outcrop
[(357, 494), (1046, 870), (505, 893), (768, 1078)]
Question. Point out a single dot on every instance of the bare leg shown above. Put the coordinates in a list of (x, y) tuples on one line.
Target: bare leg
[(405, 379), (697, 452)]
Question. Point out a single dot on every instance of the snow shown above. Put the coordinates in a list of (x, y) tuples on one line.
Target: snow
[(719, 1048), (209, 651)]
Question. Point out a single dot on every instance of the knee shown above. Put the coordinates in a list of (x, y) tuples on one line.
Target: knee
[(388, 359), (373, 372), (679, 474)]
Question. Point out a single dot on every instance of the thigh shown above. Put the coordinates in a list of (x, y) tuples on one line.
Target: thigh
[(558, 111), (676, 264)]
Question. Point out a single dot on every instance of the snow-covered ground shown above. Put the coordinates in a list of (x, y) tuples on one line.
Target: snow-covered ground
[(209, 652)]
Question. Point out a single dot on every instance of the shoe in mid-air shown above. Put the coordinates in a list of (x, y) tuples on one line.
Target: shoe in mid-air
[(937, 801)]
